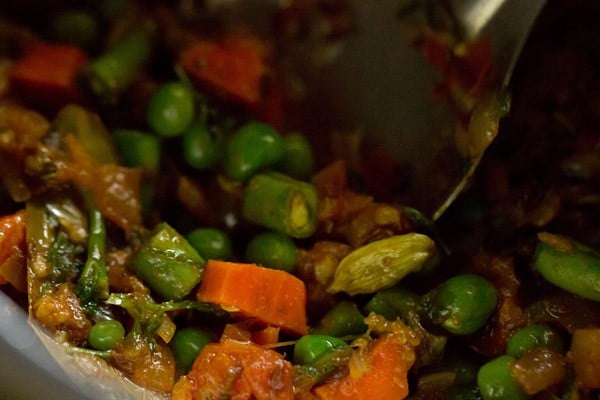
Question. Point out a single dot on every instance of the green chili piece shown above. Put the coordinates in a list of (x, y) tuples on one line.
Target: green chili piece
[(138, 149), (496, 382), (168, 263), (211, 243), (273, 250), (201, 149), (569, 265), (93, 281), (112, 72), (343, 319), (462, 304), (171, 109), (298, 160), (251, 148), (104, 335), (310, 348), (281, 203), (532, 336), (187, 344)]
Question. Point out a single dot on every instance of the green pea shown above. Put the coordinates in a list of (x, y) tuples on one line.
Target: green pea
[(496, 382), (171, 109), (392, 303), (311, 347), (138, 149), (343, 319), (211, 243), (461, 305), (273, 250), (533, 336), (104, 335), (187, 343), (200, 149), (251, 148), (77, 27), (298, 161)]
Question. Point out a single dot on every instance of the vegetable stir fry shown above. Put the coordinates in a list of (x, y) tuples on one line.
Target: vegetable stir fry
[(161, 211)]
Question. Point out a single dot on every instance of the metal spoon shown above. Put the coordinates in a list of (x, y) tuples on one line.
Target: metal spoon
[(383, 85)]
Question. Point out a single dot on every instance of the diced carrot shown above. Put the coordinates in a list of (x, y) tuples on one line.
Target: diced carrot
[(46, 74), (12, 250), (384, 379), (270, 296), (265, 336), (233, 68), (236, 370)]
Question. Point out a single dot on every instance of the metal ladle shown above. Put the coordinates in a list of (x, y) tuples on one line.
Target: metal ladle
[(383, 85)]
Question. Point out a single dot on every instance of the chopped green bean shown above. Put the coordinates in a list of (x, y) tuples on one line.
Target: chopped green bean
[(569, 265), (281, 203), (168, 263), (77, 27), (112, 72)]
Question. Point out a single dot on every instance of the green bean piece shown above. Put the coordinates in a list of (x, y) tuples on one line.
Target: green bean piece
[(92, 284), (392, 303), (298, 160), (104, 335), (461, 305), (343, 319), (201, 150), (568, 264), (496, 382), (112, 72), (532, 336), (382, 263), (138, 149), (250, 149), (168, 263), (77, 27), (281, 203), (309, 348), (211, 243), (171, 109), (272, 250), (187, 343)]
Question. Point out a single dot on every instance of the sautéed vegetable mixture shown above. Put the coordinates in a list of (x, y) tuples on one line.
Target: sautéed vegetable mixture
[(161, 210)]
